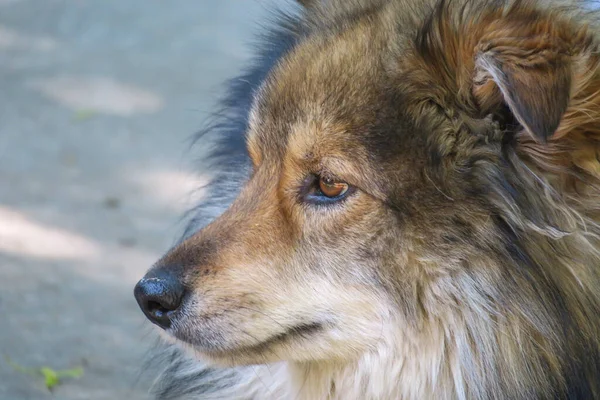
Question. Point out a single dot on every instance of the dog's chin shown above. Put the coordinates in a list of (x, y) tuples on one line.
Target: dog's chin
[(222, 348)]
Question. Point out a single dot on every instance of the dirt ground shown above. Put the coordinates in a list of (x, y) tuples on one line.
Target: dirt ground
[(97, 102)]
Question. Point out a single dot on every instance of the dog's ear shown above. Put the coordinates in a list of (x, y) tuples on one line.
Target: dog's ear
[(519, 58), (532, 77), (537, 67), (524, 62)]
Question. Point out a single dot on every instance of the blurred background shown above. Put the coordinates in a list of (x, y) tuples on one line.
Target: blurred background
[(98, 102)]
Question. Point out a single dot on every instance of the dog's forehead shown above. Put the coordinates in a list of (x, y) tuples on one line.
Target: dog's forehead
[(323, 93)]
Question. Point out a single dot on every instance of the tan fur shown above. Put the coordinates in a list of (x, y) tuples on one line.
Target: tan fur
[(467, 263)]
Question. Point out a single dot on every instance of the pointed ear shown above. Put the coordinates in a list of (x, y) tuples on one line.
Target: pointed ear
[(532, 74), (501, 57)]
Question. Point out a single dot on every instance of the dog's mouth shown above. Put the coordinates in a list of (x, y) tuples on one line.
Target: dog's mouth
[(302, 331), (293, 335)]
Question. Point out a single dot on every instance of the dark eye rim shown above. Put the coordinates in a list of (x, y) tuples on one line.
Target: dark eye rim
[(312, 194)]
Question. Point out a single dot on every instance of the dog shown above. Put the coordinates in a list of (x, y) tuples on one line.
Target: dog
[(407, 207)]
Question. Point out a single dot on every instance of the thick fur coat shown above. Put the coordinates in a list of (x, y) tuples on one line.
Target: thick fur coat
[(461, 259)]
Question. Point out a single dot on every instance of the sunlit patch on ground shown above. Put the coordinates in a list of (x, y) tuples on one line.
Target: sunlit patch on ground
[(99, 94), (178, 190), (11, 39), (20, 235)]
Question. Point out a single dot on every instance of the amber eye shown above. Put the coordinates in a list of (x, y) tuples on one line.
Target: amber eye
[(332, 188)]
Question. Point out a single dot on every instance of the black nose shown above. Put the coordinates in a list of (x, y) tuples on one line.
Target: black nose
[(159, 295)]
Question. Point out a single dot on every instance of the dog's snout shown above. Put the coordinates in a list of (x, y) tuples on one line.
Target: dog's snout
[(159, 295)]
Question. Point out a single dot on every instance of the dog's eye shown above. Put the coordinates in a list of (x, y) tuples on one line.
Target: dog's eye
[(331, 188), (322, 190)]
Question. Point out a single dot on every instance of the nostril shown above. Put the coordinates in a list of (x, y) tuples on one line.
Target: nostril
[(158, 313), (159, 295), (155, 308)]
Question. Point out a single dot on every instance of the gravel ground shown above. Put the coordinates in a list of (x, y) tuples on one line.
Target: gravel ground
[(98, 101)]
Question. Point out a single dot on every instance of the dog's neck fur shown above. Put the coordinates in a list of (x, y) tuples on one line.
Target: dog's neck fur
[(390, 371), (398, 367), (395, 369)]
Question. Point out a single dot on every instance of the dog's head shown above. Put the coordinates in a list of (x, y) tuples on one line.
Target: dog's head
[(395, 153)]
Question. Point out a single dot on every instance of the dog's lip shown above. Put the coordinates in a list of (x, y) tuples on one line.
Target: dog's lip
[(303, 330)]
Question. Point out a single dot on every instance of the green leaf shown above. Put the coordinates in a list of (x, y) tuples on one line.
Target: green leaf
[(50, 377)]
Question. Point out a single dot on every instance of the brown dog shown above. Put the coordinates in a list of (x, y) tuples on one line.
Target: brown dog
[(421, 215)]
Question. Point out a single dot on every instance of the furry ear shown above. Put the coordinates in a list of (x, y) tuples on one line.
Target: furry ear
[(527, 60), (541, 66), (534, 82), (501, 55)]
